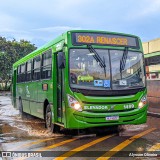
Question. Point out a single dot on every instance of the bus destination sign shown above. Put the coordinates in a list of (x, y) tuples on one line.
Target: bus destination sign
[(103, 39)]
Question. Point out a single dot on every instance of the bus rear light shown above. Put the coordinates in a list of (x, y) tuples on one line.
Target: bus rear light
[(73, 103), (142, 102)]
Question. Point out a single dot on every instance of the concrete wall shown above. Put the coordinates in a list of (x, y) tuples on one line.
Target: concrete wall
[(145, 47), (153, 87), (151, 46)]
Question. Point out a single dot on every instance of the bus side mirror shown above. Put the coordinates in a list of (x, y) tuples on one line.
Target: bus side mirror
[(61, 60)]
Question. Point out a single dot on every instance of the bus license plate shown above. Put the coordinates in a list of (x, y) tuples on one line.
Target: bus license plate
[(109, 118)]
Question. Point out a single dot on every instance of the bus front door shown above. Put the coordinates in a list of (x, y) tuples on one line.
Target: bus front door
[(59, 94)]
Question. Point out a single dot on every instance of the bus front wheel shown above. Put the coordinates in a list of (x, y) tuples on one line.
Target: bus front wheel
[(48, 121)]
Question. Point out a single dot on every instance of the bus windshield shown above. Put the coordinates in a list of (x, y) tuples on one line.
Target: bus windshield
[(86, 72)]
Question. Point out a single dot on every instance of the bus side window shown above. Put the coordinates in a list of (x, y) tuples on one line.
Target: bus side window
[(18, 74), (23, 72), (28, 70), (36, 68), (46, 65)]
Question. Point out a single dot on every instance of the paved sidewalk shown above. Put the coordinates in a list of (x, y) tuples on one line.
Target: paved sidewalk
[(154, 111), (153, 114)]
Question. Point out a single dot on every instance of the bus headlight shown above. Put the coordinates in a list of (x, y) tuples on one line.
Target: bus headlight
[(142, 102), (73, 103)]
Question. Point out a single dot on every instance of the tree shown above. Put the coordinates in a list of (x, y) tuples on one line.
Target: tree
[(10, 52)]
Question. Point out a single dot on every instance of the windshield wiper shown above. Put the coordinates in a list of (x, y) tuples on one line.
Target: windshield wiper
[(98, 58), (123, 60)]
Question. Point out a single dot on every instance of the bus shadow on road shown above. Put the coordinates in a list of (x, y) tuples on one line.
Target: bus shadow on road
[(92, 132)]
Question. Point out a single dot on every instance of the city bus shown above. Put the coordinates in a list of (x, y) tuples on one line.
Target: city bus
[(83, 79)]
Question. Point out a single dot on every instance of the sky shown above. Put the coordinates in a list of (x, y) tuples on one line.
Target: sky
[(40, 21)]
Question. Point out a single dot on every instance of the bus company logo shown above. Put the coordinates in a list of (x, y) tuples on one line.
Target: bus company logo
[(128, 106), (96, 107)]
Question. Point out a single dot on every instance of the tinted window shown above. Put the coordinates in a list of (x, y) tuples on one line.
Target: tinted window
[(22, 68), (19, 69), (36, 68), (18, 74), (21, 73), (46, 64), (28, 70)]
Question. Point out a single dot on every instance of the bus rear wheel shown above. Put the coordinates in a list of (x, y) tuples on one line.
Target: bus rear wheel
[(48, 121), (20, 107)]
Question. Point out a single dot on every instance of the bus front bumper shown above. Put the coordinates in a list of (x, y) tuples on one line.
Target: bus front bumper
[(84, 119)]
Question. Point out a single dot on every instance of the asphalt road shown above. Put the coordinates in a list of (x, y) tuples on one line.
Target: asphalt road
[(23, 138)]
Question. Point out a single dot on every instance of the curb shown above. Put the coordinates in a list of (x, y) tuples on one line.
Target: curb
[(153, 114)]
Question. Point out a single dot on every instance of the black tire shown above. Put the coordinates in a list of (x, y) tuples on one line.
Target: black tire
[(48, 121), (20, 107)]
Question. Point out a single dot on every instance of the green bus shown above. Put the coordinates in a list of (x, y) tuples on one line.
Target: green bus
[(83, 79)]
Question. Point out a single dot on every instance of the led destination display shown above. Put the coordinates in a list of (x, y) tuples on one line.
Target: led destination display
[(103, 39)]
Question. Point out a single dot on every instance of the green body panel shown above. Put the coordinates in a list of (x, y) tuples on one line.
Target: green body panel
[(109, 99), (97, 117), (34, 97), (87, 120), (96, 120)]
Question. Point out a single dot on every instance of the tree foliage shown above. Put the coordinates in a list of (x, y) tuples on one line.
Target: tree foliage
[(10, 52)]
